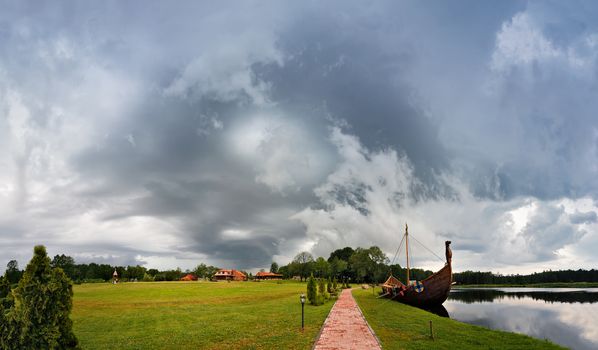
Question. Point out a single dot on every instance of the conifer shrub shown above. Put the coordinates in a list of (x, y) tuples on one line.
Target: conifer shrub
[(322, 290), (312, 292), (39, 318)]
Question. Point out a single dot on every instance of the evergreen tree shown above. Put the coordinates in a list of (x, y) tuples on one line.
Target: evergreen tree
[(312, 292), (43, 302), (322, 292)]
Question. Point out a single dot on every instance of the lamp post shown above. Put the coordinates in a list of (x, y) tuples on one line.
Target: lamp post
[(302, 298)]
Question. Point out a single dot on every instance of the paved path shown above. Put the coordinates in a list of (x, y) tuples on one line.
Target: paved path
[(345, 327)]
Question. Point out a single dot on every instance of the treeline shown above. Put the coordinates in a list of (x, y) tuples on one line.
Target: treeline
[(360, 265), (92, 272), (561, 276)]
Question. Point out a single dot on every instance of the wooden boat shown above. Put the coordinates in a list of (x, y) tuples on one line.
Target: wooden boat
[(431, 291)]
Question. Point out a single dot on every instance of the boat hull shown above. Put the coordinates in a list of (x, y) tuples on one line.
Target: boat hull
[(436, 289)]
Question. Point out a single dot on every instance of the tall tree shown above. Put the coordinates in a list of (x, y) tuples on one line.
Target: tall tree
[(342, 254), (201, 270), (304, 262), (66, 263), (368, 264), (379, 261), (321, 267), (12, 273), (338, 267), (274, 267)]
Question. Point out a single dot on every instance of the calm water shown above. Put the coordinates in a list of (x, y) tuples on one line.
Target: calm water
[(565, 316)]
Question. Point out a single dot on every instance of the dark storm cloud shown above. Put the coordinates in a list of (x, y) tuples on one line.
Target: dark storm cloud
[(218, 121), (342, 67), (161, 151)]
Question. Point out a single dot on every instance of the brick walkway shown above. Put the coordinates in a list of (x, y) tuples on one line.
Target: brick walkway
[(345, 327)]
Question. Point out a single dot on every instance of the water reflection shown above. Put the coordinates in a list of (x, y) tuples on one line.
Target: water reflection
[(567, 317), (551, 296), (439, 310)]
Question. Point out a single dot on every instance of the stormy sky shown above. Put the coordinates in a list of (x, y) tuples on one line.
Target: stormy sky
[(237, 134)]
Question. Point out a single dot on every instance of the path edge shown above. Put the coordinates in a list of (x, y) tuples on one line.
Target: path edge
[(366, 320), (324, 324)]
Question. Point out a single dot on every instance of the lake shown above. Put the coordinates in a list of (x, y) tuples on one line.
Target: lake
[(566, 316)]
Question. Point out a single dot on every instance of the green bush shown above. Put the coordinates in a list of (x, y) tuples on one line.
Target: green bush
[(312, 293), (39, 318), (321, 286), (323, 294)]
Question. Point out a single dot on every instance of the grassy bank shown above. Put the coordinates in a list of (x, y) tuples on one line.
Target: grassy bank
[(399, 326), (532, 285), (192, 315)]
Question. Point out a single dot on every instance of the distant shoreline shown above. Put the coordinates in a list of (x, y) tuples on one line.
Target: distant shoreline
[(531, 285)]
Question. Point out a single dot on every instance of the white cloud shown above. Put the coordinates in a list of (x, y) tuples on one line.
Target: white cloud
[(225, 73), (282, 151), (371, 194), (521, 42)]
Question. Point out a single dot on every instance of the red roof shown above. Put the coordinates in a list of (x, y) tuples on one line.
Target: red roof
[(224, 272), (189, 277), (267, 274)]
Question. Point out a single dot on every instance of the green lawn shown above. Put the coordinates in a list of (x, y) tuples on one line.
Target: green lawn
[(192, 315), (400, 326)]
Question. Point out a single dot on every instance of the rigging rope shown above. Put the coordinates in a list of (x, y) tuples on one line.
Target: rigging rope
[(398, 252), (420, 243)]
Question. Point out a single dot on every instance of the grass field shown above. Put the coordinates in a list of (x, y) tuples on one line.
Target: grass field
[(400, 326), (192, 315)]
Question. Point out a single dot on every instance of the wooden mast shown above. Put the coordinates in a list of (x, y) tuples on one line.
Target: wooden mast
[(407, 250)]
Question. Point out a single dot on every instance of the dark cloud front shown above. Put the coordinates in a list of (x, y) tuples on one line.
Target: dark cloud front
[(395, 75), (343, 68), (197, 182), (333, 71)]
